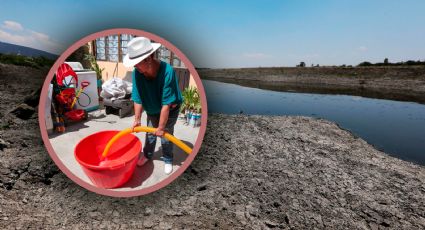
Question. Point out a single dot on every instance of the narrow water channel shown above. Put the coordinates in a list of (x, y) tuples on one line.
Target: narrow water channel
[(397, 128)]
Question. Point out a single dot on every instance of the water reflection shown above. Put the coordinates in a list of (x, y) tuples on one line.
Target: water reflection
[(397, 128)]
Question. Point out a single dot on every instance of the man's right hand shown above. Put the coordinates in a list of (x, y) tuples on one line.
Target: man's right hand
[(135, 124), (138, 110)]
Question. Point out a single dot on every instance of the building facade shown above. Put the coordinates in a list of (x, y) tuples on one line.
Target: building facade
[(109, 52)]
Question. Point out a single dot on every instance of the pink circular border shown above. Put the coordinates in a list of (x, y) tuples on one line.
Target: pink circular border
[(59, 163)]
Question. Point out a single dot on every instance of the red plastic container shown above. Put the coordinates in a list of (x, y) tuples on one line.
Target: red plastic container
[(76, 115), (120, 163)]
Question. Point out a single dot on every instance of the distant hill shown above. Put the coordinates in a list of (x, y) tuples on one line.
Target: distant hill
[(7, 48)]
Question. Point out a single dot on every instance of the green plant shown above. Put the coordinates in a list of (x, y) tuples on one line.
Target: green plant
[(191, 100), (94, 66), (302, 64), (35, 62)]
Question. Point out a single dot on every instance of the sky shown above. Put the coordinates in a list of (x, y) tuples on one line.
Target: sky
[(233, 34)]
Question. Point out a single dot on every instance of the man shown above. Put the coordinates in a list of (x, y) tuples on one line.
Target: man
[(156, 91)]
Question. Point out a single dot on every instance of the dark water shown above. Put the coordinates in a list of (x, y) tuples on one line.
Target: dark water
[(397, 128)]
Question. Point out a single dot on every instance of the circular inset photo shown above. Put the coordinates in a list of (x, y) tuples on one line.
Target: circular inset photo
[(123, 112)]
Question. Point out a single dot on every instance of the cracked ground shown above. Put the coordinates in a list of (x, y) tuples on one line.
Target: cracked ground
[(252, 172)]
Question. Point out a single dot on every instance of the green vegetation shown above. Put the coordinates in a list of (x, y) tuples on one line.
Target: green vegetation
[(387, 63), (191, 100), (302, 64), (366, 64), (35, 62), (79, 55), (94, 66)]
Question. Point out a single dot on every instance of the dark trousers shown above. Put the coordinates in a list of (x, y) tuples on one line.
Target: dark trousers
[(167, 146)]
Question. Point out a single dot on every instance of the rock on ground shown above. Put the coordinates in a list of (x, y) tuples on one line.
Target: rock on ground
[(274, 172), (252, 172), (23, 111)]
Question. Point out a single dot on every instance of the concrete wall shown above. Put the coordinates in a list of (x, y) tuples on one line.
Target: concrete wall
[(124, 72), (121, 72), (108, 72), (192, 82)]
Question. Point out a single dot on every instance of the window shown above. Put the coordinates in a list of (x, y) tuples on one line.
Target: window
[(167, 56), (125, 38), (114, 47), (177, 62), (164, 54), (100, 49)]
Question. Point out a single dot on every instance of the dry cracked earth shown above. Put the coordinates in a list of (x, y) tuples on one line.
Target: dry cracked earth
[(252, 172)]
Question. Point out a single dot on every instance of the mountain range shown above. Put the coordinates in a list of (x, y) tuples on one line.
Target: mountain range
[(8, 48)]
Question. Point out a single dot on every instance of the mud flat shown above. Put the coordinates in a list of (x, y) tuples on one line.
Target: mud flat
[(252, 172), (393, 83)]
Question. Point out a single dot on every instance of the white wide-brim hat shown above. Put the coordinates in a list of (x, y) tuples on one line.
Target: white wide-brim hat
[(138, 49)]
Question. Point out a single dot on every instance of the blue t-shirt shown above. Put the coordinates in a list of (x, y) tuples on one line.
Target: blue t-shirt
[(154, 93)]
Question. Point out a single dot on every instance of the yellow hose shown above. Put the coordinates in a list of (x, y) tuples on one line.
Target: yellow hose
[(76, 98), (168, 136)]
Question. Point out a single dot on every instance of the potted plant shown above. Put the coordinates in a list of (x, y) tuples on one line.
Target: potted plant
[(96, 68), (191, 106)]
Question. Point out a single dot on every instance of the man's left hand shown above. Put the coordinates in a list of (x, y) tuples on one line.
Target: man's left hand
[(159, 132)]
